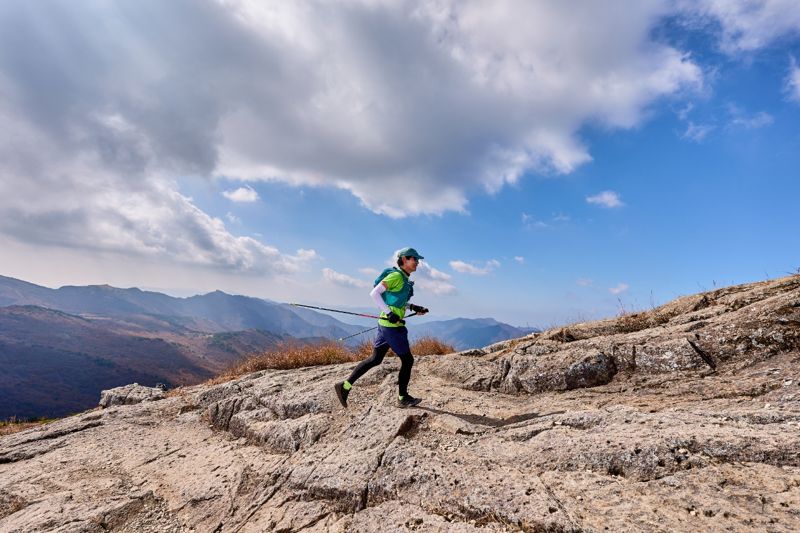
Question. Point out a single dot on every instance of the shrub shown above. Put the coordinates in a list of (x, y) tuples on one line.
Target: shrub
[(431, 346), (422, 346)]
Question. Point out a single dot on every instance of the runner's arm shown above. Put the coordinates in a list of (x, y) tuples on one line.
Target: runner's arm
[(379, 289)]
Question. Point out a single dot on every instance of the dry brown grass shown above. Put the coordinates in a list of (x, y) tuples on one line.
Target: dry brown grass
[(363, 349), (296, 355), (431, 346), (177, 391), (632, 322), (288, 355), (422, 346), (12, 425)]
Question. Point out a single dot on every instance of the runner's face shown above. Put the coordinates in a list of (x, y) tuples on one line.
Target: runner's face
[(410, 264)]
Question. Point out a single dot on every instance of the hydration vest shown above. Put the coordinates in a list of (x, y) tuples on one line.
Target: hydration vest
[(400, 298)]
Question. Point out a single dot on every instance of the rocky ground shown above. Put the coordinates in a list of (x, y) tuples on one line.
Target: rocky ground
[(683, 418)]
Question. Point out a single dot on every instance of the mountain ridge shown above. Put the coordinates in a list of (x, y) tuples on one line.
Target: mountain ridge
[(43, 329), (214, 312)]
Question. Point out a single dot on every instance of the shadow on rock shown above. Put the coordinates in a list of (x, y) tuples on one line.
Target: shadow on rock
[(488, 421)]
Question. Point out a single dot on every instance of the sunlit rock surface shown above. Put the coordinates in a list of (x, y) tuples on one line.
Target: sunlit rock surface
[(682, 418)]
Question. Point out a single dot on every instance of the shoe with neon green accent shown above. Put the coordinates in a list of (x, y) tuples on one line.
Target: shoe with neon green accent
[(342, 393), (408, 401)]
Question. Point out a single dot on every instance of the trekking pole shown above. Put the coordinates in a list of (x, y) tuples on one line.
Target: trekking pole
[(365, 331), (355, 334), (334, 310)]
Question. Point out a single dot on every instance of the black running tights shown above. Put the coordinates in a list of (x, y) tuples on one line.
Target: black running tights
[(378, 354)]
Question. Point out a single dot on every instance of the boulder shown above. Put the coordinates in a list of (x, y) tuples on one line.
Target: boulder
[(591, 371), (130, 394)]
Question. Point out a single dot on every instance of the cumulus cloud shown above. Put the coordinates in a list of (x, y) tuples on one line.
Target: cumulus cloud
[(469, 268), (367, 271), (104, 104), (343, 280), (433, 280), (512, 88), (242, 194), (619, 289), (100, 112), (103, 211), (427, 278), (747, 25), (519, 259), (608, 199)]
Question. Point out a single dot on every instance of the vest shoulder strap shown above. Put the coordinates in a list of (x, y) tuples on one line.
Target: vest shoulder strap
[(386, 272)]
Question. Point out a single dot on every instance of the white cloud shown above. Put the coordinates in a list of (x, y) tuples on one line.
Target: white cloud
[(367, 271), (86, 205), (468, 268), (447, 97), (608, 199), (242, 194), (758, 120), (793, 82), (683, 113), (433, 280), (741, 119), (619, 289), (93, 166), (233, 219), (529, 221), (584, 282), (696, 132), (343, 279), (427, 278), (747, 25), (519, 259)]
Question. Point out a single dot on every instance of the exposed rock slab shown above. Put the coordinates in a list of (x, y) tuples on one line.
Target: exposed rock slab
[(130, 394), (618, 425)]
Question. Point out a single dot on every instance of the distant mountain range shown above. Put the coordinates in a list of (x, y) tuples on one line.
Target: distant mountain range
[(60, 347), (212, 313), (465, 333)]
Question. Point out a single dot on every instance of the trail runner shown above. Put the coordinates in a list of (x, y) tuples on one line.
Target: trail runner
[(392, 292)]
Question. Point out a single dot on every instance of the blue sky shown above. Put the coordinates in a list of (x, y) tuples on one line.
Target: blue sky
[(551, 164)]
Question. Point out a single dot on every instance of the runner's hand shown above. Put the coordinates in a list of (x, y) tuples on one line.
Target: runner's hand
[(418, 309), (393, 318)]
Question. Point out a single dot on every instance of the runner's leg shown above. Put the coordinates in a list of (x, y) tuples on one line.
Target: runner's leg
[(379, 350), (398, 340), (405, 373)]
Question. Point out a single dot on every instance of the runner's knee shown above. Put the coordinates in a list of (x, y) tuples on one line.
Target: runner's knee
[(406, 358)]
